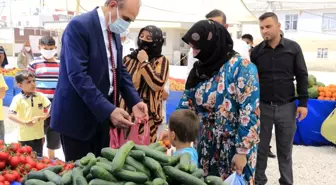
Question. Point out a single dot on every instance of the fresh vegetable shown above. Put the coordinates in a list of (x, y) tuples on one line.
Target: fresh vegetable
[(120, 157)]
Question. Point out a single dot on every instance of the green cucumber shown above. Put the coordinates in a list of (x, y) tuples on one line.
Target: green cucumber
[(50, 183), (104, 182), (192, 167), (86, 169), (78, 164), (137, 154), (75, 173), (53, 177), (109, 153), (119, 160), (35, 182), (91, 155), (185, 161), (66, 178), (154, 167), (101, 173), (89, 177), (214, 180), (130, 183), (149, 183), (159, 181), (85, 160), (159, 156), (160, 148), (137, 177), (137, 165), (102, 159), (55, 169), (106, 165), (182, 177), (129, 167), (174, 160), (154, 145), (199, 173), (80, 180), (37, 175)]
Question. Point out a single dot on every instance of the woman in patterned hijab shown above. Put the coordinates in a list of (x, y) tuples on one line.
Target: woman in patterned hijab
[(149, 71)]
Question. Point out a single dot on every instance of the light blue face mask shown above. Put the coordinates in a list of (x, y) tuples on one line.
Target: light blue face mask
[(119, 25)]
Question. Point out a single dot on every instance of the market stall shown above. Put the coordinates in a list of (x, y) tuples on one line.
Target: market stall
[(320, 105)]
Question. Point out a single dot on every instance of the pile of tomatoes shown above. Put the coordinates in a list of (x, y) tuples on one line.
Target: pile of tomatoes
[(16, 161)]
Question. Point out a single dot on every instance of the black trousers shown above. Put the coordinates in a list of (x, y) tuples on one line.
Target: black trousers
[(76, 149), (284, 119)]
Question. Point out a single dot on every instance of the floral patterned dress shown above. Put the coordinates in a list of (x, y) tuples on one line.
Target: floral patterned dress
[(228, 107)]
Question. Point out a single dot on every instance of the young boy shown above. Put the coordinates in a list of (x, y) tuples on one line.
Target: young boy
[(29, 109), (3, 89), (45, 69), (182, 131)]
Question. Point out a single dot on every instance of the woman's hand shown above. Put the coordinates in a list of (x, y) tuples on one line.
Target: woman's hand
[(142, 55), (239, 162)]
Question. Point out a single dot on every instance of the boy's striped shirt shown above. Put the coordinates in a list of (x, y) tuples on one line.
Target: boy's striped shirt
[(46, 74)]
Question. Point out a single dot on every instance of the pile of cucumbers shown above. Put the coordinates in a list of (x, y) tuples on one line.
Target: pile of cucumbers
[(130, 165)]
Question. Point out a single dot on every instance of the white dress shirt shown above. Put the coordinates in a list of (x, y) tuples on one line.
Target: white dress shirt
[(238, 45), (114, 49)]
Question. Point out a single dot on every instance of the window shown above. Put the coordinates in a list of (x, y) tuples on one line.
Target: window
[(322, 53), (291, 22), (164, 38), (27, 23), (329, 22), (19, 23)]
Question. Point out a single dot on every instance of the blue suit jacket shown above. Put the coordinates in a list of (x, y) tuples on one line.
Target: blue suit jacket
[(81, 97)]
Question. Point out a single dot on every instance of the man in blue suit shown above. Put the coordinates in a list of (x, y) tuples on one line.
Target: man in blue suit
[(91, 77)]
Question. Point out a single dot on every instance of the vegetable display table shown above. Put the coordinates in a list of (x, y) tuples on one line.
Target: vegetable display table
[(12, 90), (308, 131)]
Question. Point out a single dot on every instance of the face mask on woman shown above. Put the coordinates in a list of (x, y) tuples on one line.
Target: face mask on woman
[(48, 54), (27, 48), (119, 25)]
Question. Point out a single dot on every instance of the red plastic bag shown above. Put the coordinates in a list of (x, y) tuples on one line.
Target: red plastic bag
[(117, 136)]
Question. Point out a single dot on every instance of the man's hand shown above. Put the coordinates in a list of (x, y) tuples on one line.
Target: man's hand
[(301, 113), (120, 118), (239, 162), (140, 111)]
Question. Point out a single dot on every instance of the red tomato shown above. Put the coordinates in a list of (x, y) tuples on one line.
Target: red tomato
[(1, 142), (30, 161), (4, 155), (7, 183), (9, 177), (29, 149), (24, 150), (34, 169), (14, 147), (28, 167), (71, 165), (16, 174), (14, 161), (2, 178), (46, 160), (40, 166), (20, 179), (2, 183), (23, 159), (2, 165)]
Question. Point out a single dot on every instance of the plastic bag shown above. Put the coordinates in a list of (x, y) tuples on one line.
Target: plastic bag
[(117, 136), (235, 179), (134, 135), (329, 126)]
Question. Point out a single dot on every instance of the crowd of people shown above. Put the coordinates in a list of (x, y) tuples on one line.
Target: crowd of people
[(235, 92)]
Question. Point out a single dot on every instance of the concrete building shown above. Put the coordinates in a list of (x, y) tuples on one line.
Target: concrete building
[(311, 24)]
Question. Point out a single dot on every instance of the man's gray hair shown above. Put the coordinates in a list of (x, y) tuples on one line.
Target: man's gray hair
[(120, 3)]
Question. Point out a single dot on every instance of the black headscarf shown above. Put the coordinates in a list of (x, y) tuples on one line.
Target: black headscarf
[(5, 62), (216, 47), (153, 49)]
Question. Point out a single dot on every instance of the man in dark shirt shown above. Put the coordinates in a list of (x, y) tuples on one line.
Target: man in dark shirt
[(280, 61)]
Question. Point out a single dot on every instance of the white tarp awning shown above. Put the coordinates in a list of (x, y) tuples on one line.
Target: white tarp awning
[(170, 10)]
